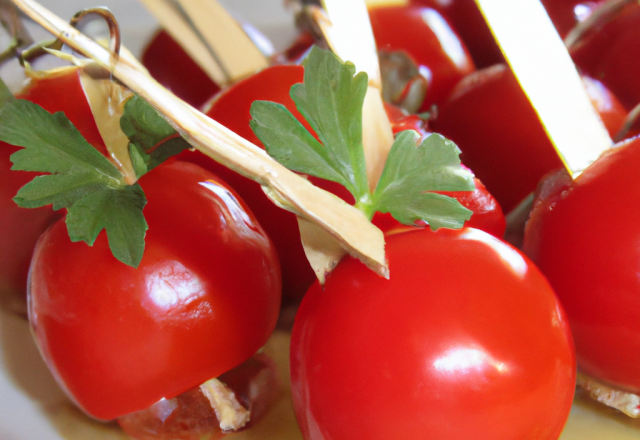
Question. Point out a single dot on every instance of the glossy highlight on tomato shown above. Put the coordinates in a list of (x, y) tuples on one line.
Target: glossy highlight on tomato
[(566, 14), (231, 109), (465, 340), (584, 236), (205, 297)]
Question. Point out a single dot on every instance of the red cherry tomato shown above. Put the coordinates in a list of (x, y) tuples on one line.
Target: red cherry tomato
[(489, 117), (231, 109), (469, 23), (20, 227), (584, 237), (487, 214), (611, 53), (174, 68), (566, 14), (204, 299), (465, 340), (426, 36)]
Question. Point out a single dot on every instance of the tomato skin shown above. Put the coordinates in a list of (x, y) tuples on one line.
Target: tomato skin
[(487, 213), (119, 339), (469, 23), (502, 140), (566, 14), (426, 36), (583, 235), (611, 53), (21, 227), (466, 340), (231, 109), (174, 68)]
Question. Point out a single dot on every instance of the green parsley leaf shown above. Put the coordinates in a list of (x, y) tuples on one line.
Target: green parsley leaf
[(143, 125), (5, 94), (119, 213), (81, 179), (331, 100), (51, 143), (289, 142), (411, 172), (152, 139)]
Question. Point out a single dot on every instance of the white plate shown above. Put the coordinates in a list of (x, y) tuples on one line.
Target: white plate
[(31, 405)]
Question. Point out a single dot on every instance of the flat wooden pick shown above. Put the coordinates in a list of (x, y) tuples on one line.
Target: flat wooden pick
[(373, 3), (549, 78), (209, 34), (347, 29)]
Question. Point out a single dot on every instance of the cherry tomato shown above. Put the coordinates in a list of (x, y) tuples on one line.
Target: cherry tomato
[(231, 109), (469, 23), (426, 36), (502, 140), (172, 67), (487, 214), (20, 227), (465, 340), (583, 235), (566, 14), (190, 416), (205, 297), (611, 53)]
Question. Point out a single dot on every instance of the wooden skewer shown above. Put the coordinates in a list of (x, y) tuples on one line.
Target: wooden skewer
[(543, 67), (344, 223), (347, 30), (15, 28), (211, 37)]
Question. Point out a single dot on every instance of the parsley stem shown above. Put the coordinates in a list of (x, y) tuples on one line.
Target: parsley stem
[(366, 205)]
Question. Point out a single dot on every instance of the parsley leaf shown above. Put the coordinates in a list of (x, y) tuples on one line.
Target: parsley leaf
[(289, 142), (152, 139), (81, 179), (331, 100), (5, 94), (410, 172), (143, 125), (119, 212)]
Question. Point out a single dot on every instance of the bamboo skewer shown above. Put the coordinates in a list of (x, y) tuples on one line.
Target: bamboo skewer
[(347, 30), (211, 37), (342, 222), (548, 77)]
